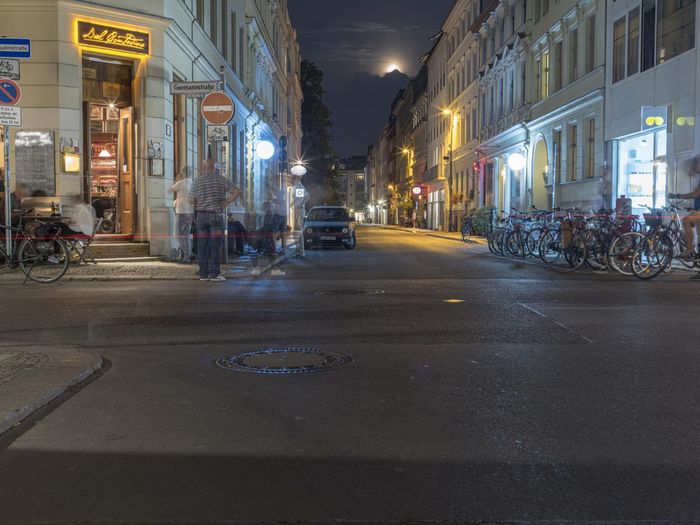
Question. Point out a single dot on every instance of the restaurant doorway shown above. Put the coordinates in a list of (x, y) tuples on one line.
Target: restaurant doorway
[(108, 123)]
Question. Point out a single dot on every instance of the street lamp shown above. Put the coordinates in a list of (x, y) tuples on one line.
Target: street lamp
[(450, 154)]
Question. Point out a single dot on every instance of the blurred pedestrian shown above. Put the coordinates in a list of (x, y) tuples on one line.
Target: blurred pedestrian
[(691, 222), (184, 212)]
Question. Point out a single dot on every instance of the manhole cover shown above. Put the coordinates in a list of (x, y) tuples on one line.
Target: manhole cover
[(350, 292), (285, 361)]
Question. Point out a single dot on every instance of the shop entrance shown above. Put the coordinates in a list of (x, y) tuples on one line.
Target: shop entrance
[(108, 124)]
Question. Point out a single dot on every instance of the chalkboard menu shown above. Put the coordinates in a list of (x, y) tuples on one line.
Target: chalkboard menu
[(35, 160)]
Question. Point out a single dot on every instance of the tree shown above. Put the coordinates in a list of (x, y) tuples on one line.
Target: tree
[(317, 126)]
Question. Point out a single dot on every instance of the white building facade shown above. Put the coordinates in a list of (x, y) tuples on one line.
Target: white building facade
[(99, 115), (651, 102)]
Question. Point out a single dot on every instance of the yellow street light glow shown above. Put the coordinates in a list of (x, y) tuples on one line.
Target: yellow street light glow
[(453, 301)]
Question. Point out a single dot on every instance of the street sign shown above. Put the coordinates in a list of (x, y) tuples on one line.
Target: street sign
[(9, 68), (10, 92), (15, 48), (10, 116), (194, 89), (217, 108), (299, 193), (217, 133)]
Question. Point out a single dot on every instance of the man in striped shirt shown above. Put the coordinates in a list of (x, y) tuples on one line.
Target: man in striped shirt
[(210, 195)]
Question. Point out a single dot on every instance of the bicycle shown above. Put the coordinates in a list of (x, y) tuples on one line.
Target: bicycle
[(42, 259), (466, 229), (662, 245)]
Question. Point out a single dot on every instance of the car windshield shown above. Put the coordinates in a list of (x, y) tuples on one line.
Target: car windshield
[(328, 215)]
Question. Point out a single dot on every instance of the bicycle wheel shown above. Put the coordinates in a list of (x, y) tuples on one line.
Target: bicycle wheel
[(43, 261), (515, 245), (490, 239), (596, 253), (532, 241), (621, 250), (559, 257), (651, 257), (466, 233)]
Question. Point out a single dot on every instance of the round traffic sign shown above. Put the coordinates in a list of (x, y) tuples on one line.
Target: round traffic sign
[(10, 93), (217, 108)]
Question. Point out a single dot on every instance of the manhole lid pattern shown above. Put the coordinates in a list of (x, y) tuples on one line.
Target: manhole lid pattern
[(350, 292), (278, 361)]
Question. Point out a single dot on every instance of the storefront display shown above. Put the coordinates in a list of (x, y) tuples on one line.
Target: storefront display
[(642, 170)]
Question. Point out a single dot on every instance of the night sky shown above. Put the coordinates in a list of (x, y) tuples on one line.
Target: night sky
[(355, 42)]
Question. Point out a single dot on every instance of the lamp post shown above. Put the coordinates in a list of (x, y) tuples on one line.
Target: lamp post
[(450, 154)]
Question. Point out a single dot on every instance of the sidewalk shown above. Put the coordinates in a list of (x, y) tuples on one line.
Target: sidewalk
[(452, 236), (32, 376), (239, 266)]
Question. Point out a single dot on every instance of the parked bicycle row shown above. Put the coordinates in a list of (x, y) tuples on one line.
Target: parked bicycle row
[(569, 240)]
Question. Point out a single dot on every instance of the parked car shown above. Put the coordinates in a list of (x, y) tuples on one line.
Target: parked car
[(329, 226)]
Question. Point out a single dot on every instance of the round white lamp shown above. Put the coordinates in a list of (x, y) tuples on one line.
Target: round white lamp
[(298, 170), (265, 149), (516, 161)]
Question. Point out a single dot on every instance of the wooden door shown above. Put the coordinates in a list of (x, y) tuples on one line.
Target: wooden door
[(125, 158)]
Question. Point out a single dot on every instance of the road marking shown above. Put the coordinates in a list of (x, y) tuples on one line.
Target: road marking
[(559, 324)]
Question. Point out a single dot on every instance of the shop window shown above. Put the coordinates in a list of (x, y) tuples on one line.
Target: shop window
[(676, 28), (619, 49), (642, 170), (633, 42)]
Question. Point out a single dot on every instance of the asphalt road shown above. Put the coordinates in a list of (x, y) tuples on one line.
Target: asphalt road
[(529, 396)]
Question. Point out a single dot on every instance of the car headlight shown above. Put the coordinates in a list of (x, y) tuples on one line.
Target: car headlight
[(309, 231), (345, 230)]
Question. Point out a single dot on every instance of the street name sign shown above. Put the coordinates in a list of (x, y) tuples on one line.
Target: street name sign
[(10, 116), (9, 68), (217, 133), (217, 108), (194, 89), (10, 92), (15, 48)]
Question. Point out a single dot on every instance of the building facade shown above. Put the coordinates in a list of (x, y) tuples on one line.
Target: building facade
[(651, 104), (99, 114)]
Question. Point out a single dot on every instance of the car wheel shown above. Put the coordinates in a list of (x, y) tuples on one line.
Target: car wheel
[(351, 244)]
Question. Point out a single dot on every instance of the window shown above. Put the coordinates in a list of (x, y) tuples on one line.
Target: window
[(619, 49), (232, 50), (544, 75), (200, 12), (676, 28), (538, 80), (558, 175), (589, 146), (224, 30), (648, 34), (573, 55), (633, 42), (558, 66), (213, 21), (590, 43), (571, 153)]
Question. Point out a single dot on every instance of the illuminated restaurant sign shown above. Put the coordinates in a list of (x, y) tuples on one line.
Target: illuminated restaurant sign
[(113, 38)]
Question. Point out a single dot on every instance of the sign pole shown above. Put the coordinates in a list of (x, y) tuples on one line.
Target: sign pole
[(8, 195)]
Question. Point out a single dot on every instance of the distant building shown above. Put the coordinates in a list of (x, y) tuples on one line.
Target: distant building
[(352, 174)]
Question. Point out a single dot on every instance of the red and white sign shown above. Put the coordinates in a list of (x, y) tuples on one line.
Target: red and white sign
[(217, 108), (10, 92)]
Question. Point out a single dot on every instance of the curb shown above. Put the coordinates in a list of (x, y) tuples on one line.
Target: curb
[(9, 420)]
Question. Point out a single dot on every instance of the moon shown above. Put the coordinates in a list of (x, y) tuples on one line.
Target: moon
[(391, 68)]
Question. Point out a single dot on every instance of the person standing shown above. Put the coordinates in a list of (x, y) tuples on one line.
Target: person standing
[(184, 213), (211, 193), (691, 222)]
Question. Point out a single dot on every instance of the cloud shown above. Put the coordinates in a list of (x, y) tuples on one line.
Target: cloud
[(337, 26)]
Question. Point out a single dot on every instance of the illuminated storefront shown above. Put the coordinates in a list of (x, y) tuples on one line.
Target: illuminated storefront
[(641, 169)]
